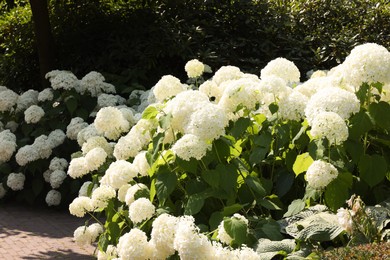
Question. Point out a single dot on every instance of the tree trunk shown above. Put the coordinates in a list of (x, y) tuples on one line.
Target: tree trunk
[(44, 38)]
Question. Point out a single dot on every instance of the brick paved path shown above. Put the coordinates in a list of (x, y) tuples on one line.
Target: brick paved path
[(28, 233)]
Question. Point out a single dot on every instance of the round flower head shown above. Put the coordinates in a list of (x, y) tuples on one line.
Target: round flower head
[(123, 191), (33, 114), (95, 142), (46, 95), (56, 138), (53, 198), (16, 181), (8, 100), (7, 145), (87, 235), (163, 235), (292, 107), (74, 127), (281, 68), (313, 85), (140, 210), (58, 164), (141, 164), (28, 98), (57, 177), (111, 253), (331, 126), (118, 174), (80, 206), (168, 86), (78, 167), (134, 245), (93, 82), (274, 86), (208, 122), (101, 196), (110, 100), (190, 146), (95, 158), (194, 68), (26, 154), (320, 174), (332, 99), (368, 62), (86, 133), (111, 122), (62, 79), (226, 73)]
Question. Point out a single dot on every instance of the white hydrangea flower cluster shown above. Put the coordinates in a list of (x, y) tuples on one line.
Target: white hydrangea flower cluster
[(332, 99), (283, 69), (367, 62), (41, 148), (83, 192), (33, 114), (223, 236), (46, 95), (211, 89), (7, 145), (27, 99), (86, 133), (191, 146), (118, 174), (168, 86), (226, 73), (110, 100), (8, 99), (129, 197), (65, 80), (101, 195), (141, 164), (80, 166), (111, 253), (320, 174), (141, 210), (95, 142), (53, 198), (292, 107), (16, 181), (111, 122), (87, 235), (80, 206), (94, 83), (74, 127), (331, 126), (194, 68)]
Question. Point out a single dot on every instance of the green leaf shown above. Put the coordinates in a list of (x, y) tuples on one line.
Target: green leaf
[(215, 219), (362, 92), (228, 178), (150, 112), (302, 163), (240, 126), (269, 228), (372, 169), (360, 124), (194, 204), (295, 207), (258, 154), (256, 186), (273, 107), (230, 210), (165, 184), (165, 121), (355, 149), (268, 203), (103, 242), (212, 177), (381, 114), (337, 192), (71, 104), (113, 229), (236, 229)]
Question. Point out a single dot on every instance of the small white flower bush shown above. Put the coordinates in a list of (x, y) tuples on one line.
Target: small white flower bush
[(40, 130), (211, 166)]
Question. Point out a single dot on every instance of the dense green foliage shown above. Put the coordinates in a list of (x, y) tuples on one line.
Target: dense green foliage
[(136, 42)]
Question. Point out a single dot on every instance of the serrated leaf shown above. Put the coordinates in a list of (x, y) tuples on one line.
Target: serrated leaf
[(302, 163), (372, 169)]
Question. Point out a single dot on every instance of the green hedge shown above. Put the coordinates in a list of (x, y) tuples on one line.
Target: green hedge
[(136, 42)]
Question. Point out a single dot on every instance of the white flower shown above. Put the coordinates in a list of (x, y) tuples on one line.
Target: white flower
[(8, 100), (56, 138), (163, 235), (189, 243), (168, 86), (80, 206), (62, 79), (87, 235), (246, 253), (332, 99), (226, 73), (26, 154), (110, 100), (190, 146), (141, 164), (58, 164), (3, 191), (331, 126), (313, 85), (101, 196), (281, 68), (7, 145), (96, 142), (78, 167), (194, 68), (95, 158), (131, 192), (86, 133), (53, 198), (110, 254), (94, 83), (140, 210), (123, 191), (344, 218), (56, 178), (95, 230), (134, 246), (292, 107), (28, 98), (85, 187), (118, 174), (74, 127), (320, 174), (111, 122), (16, 181), (46, 95), (12, 126), (211, 89)]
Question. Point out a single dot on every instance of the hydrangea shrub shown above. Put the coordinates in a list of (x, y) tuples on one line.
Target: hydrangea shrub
[(212, 165)]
